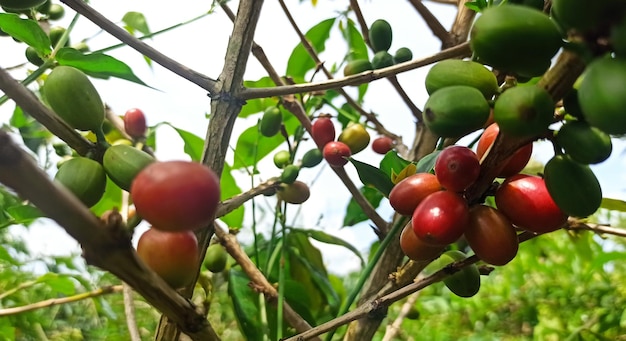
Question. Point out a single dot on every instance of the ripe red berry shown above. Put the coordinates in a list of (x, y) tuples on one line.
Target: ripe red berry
[(323, 131), (457, 167), (172, 255), (336, 153), (176, 195), (408, 193), (515, 163), (135, 123), (382, 144), (525, 200), (440, 219)]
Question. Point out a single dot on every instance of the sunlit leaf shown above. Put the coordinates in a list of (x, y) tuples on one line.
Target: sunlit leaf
[(392, 162), (112, 198), (193, 144), (613, 204), (427, 163), (27, 31), (58, 283), (407, 171), (97, 65), (24, 214), (354, 212), (136, 21), (300, 61)]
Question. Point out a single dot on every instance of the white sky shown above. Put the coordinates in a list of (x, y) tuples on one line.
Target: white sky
[(201, 46)]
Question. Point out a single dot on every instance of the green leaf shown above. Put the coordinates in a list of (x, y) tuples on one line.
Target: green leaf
[(245, 304), (97, 65), (300, 61), (252, 146), (326, 238), (193, 144), (58, 283), (26, 30), (392, 162), (24, 214), (613, 204), (354, 213), (356, 43), (427, 163), (5, 256), (372, 176), (136, 21), (229, 189)]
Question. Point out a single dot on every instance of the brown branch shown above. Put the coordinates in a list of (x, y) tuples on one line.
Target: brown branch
[(354, 4), (233, 203), (31, 105), (364, 77), (313, 54), (63, 300), (575, 224), (258, 281), (129, 311), (226, 104), (104, 245), (394, 327), (193, 76), (294, 106), (433, 23)]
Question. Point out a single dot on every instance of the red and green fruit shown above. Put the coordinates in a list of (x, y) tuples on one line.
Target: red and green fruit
[(295, 193), (382, 59), (461, 72), (176, 195), (583, 143), (407, 194), (525, 200), (515, 38), (515, 163), (289, 174), (73, 97), (357, 66), (323, 131), (524, 111), (216, 258), (336, 153), (312, 158), (171, 255), (491, 235), (380, 35), (271, 121), (456, 111), (282, 158), (573, 186), (21, 4), (456, 168), (122, 163), (416, 249), (440, 218), (602, 95), (382, 144), (84, 177), (135, 123), (355, 136), (463, 283), (402, 55)]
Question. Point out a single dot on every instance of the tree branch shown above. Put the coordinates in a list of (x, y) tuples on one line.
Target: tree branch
[(63, 300), (433, 23), (104, 245), (193, 76), (364, 77)]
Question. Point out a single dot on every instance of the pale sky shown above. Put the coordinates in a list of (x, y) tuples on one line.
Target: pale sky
[(201, 46)]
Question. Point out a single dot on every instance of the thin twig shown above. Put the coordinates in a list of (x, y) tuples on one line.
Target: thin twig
[(394, 327), (129, 312), (364, 77), (576, 224), (63, 300), (195, 77), (258, 282), (433, 23)]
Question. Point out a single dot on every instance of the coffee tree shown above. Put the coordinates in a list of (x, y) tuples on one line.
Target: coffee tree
[(509, 74)]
